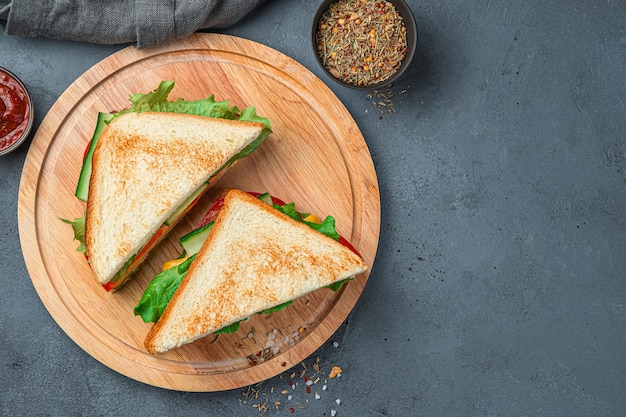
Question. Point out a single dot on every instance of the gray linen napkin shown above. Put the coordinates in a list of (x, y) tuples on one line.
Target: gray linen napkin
[(146, 22)]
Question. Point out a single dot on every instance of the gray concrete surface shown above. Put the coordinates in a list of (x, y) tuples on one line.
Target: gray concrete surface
[(499, 285)]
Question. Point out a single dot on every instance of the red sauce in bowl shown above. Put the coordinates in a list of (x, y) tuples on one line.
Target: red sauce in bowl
[(15, 112)]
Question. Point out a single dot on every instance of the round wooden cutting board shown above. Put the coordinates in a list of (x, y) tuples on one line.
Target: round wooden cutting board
[(315, 157)]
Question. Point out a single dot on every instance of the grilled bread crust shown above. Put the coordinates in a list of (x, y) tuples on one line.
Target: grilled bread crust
[(254, 258), (144, 166)]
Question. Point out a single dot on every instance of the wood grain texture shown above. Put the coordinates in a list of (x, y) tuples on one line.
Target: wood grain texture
[(315, 157)]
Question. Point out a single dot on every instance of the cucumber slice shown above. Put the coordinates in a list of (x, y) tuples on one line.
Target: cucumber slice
[(82, 188), (266, 198), (181, 209), (193, 241)]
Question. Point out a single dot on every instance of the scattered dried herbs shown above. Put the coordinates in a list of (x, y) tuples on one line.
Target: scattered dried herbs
[(291, 398), (383, 100)]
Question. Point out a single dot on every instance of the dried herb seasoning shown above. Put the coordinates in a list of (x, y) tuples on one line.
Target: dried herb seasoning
[(361, 42)]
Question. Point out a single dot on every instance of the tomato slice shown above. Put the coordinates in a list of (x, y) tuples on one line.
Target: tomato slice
[(138, 258), (86, 151), (217, 205), (348, 245), (212, 213), (151, 242), (276, 201)]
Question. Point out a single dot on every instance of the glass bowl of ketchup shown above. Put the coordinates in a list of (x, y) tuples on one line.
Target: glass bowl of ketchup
[(16, 112)]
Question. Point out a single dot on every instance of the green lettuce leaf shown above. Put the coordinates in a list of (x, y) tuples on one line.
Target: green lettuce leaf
[(337, 285), (327, 226), (78, 226), (159, 292), (275, 308), (157, 101), (229, 329), (232, 328)]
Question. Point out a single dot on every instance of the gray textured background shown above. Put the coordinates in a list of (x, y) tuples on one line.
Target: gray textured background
[(499, 284)]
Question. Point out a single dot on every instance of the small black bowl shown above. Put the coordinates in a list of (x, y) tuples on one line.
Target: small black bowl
[(411, 38)]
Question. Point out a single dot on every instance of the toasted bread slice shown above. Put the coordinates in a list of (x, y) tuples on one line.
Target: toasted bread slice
[(144, 166), (255, 258)]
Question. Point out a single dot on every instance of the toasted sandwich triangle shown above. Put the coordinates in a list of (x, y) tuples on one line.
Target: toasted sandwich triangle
[(255, 258), (144, 167)]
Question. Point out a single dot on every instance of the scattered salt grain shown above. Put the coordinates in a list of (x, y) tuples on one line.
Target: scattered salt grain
[(338, 401), (289, 397), (335, 344), (324, 388), (317, 396), (333, 413)]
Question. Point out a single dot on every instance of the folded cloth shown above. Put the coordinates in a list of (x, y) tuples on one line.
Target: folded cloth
[(145, 22)]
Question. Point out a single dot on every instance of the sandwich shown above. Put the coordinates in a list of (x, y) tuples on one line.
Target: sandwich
[(147, 166), (251, 254)]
